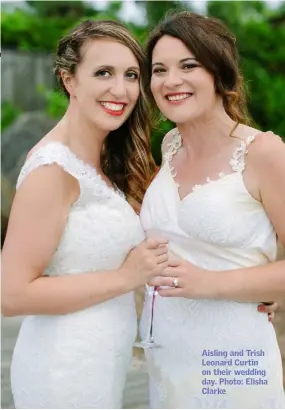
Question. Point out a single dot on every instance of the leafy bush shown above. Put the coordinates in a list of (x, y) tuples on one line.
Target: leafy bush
[(9, 113), (56, 102)]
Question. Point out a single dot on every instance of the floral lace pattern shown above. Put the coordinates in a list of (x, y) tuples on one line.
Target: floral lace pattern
[(79, 360), (237, 162)]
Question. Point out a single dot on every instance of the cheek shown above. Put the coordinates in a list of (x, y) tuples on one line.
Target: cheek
[(154, 86), (137, 93), (156, 89), (85, 91), (204, 90), (134, 93), (207, 84)]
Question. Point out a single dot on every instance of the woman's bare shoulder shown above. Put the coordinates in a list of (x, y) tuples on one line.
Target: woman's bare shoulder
[(52, 136)]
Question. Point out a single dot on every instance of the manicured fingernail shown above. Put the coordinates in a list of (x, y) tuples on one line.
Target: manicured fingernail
[(270, 319), (261, 308)]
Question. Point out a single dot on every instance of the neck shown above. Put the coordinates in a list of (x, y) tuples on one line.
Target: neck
[(82, 137), (203, 136)]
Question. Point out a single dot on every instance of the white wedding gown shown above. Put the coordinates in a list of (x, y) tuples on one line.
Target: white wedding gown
[(79, 360), (218, 226)]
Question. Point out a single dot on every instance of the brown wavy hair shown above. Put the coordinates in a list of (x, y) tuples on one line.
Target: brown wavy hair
[(126, 156), (214, 47)]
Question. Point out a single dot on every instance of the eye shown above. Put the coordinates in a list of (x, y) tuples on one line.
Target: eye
[(132, 75), (189, 66), (103, 73), (158, 70)]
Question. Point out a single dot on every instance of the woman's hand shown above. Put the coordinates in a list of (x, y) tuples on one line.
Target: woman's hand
[(147, 260), (269, 307), (185, 280)]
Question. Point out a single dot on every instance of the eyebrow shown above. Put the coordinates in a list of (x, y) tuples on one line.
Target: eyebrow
[(110, 67), (181, 61), (134, 68)]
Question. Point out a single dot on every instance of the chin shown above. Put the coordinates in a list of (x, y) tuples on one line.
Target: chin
[(184, 118), (111, 125), (179, 119)]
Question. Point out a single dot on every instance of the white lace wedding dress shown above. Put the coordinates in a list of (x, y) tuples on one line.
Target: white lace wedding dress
[(79, 360), (218, 226)]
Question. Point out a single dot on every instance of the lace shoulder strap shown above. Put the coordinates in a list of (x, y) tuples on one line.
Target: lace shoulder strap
[(237, 161), (52, 152), (171, 144)]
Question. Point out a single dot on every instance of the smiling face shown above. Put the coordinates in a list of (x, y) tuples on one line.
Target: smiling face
[(105, 86), (183, 90)]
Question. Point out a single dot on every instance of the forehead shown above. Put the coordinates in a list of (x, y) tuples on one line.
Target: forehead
[(170, 48), (107, 52)]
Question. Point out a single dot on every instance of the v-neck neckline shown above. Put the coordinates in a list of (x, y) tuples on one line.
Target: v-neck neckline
[(197, 187)]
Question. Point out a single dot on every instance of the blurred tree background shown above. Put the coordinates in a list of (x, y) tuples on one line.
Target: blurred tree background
[(36, 27)]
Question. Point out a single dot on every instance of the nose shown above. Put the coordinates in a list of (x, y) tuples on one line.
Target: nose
[(173, 79), (118, 88)]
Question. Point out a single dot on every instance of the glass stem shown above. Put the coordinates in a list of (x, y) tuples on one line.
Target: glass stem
[(152, 311)]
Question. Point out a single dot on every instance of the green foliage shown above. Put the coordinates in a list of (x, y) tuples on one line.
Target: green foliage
[(260, 42), (9, 113), (56, 102), (28, 32), (39, 27), (156, 10), (259, 30), (74, 9)]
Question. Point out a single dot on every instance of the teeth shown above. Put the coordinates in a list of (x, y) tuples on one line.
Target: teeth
[(112, 106), (177, 97)]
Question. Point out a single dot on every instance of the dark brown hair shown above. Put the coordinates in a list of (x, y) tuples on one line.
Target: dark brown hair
[(126, 157), (214, 47)]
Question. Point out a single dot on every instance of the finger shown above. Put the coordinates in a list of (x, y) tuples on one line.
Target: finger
[(160, 281), (161, 250), (270, 317), (273, 307), (174, 261), (153, 243), (158, 271), (162, 258), (169, 271), (171, 292), (267, 308)]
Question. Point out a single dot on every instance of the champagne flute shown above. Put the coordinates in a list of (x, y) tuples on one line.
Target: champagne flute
[(148, 342)]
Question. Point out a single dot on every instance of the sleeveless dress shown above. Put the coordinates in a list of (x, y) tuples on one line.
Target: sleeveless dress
[(215, 353), (79, 360)]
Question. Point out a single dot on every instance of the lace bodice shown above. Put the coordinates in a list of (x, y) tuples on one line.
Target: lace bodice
[(79, 360), (219, 213), (100, 216)]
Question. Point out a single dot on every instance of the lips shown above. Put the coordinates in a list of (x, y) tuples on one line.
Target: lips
[(113, 107)]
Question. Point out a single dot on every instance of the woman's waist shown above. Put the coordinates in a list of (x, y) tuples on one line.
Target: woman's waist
[(209, 323), (219, 259), (60, 340), (203, 314), (99, 315)]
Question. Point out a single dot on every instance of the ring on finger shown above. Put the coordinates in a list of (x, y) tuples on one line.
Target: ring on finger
[(175, 282)]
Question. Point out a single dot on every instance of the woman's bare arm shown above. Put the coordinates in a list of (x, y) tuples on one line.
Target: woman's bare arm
[(38, 218), (263, 282)]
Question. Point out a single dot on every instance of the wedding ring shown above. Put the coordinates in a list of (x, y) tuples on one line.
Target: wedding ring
[(175, 282)]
